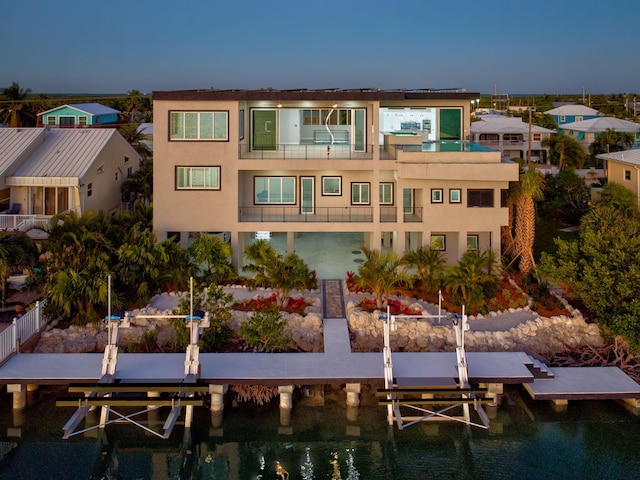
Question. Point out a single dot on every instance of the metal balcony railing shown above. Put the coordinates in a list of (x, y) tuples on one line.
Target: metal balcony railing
[(316, 215), (305, 152), (412, 214)]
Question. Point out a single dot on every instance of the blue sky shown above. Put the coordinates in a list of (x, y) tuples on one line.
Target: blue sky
[(514, 46)]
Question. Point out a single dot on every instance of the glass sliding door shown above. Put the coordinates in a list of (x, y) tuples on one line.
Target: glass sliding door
[(265, 129), (306, 194), (450, 124)]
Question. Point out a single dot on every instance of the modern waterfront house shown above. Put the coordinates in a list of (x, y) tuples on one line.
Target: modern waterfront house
[(394, 167)]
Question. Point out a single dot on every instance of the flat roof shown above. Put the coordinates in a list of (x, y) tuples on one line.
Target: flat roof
[(371, 94)]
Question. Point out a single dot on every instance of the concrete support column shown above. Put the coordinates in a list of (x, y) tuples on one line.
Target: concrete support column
[(217, 397), (494, 392), (353, 394), (19, 395), (291, 242), (286, 396)]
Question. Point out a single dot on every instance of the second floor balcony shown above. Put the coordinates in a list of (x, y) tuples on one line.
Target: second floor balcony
[(351, 214)]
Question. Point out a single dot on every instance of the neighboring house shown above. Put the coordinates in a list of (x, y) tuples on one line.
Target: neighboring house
[(79, 115), (573, 113), (587, 131), (510, 136), (46, 172), (623, 168), (391, 166)]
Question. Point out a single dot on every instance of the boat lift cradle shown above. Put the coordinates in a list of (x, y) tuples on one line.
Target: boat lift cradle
[(102, 393), (431, 402)]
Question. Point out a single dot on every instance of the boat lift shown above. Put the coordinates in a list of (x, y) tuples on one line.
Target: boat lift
[(432, 402), (108, 393)]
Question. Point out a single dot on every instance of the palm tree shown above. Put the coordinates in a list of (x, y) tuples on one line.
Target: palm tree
[(214, 254), (530, 189), (611, 141), (381, 274), (564, 151), (471, 279), (15, 252), (429, 265), (140, 184), (136, 139), (274, 270), (15, 112)]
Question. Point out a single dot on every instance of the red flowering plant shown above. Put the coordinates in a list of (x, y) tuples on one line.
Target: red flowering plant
[(395, 307), (259, 303)]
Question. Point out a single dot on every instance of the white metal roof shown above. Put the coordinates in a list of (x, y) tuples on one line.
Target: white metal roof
[(579, 110), (63, 157), (497, 124), (602, 124), (90, 108), (15, 142), (630, 157)]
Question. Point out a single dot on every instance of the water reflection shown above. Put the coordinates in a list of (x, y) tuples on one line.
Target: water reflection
[(527, 440)]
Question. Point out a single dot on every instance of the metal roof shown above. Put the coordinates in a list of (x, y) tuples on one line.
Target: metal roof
[(575, 109), (602, 124), (65, 155), (15, 143), (630, 157), (495, 124), (90, 108)]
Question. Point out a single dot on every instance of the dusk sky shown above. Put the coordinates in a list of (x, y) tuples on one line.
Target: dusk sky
[(515, 46)]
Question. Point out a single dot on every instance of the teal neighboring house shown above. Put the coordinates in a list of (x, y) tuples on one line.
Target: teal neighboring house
[(79, 115), (573, 113)]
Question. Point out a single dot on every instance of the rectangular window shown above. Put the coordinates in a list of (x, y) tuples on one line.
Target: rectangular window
[(129, 172), (627, 174), (198, 178), (578, 118), (51, 120), (360, 194), (199, 126), (326, 117), (562, 118), (480, 198), (537, 137), (331, 186), (82, 120), (241, 125), (436, 195), (386, 193), (455, 195), (504, 196), (472, 242), (275, 190), (439, 242), (89, 189)]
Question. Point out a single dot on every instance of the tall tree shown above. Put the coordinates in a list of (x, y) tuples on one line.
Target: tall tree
[(15, 109), (564, 151), (566, 197), (529, 190), (136, 139), (611, 141)]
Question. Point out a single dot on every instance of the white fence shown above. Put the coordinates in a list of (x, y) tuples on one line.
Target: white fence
[(21, 330)]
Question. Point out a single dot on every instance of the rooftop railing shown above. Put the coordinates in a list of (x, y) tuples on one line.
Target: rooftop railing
[(305, 152)]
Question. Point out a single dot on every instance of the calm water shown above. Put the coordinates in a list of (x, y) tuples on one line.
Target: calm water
[(528, 440)]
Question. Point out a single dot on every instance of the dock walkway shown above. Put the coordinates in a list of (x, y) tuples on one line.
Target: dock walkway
[(337, 364)]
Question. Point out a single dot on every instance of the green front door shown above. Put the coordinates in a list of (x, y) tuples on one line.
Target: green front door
[(265, 131)]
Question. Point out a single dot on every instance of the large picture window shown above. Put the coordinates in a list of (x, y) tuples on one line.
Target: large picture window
[(275, 190), (198, 178), (199, 126), (360, 194)]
